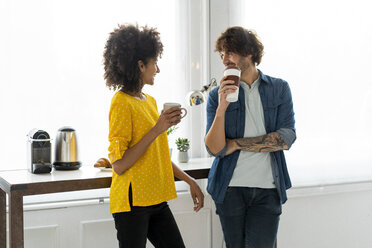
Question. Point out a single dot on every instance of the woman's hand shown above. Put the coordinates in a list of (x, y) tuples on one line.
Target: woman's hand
[(196, 195), (167, 119), (226, 87)]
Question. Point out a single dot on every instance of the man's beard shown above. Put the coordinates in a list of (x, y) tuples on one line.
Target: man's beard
[(243, 65)]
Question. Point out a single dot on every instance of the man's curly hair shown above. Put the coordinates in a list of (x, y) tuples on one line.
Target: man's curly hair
[(125, 46), (240, 41)]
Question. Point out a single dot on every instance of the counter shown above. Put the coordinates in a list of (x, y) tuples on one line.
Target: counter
[(20, 183)]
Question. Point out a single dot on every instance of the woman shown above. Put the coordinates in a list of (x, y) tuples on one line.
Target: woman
[(143, 177)]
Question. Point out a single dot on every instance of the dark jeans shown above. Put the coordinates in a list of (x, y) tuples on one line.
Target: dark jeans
[(250, 217), (154, 222)]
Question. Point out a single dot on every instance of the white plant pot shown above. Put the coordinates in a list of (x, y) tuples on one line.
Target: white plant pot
[(183, 157)]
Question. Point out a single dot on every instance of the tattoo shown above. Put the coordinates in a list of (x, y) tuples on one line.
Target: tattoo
[(271, 142)]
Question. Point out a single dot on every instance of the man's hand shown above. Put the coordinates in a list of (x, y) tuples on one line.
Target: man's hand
[(226, 87), (231, 146)]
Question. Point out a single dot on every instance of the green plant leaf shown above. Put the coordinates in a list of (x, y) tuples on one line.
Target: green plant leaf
[(183, 144), (171, 130)]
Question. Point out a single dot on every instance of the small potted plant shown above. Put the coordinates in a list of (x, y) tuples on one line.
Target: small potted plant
[(169, 132), (183, 145)]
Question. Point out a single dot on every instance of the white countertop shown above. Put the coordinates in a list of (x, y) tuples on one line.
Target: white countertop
[(306, 179), (24, 176), (14, 177), (304, 175), (84, 172)]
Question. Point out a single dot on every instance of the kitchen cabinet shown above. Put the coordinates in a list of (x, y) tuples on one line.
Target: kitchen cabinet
[(20, 184), (89, 223)]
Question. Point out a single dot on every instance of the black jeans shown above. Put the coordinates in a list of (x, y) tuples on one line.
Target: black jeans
[(153, 222)]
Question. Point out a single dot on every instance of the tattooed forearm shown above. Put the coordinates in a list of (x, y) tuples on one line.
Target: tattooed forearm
[(271, 142)]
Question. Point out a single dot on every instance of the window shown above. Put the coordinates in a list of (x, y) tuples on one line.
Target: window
[(51, 69), (322, 48)]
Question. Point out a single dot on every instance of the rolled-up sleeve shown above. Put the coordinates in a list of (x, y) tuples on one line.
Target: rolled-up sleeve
[(288, 135), (120, 130), (220, 154)]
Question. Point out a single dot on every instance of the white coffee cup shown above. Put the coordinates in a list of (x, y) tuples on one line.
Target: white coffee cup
[(233, 73), (169, 105)]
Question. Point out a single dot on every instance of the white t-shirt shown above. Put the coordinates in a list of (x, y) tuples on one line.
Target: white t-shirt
[(253, 169)]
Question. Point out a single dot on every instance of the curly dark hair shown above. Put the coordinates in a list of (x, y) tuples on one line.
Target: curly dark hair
[(241, 41), (125, 46)]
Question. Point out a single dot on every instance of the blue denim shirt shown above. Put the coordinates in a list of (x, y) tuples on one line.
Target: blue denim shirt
[(277, 104)]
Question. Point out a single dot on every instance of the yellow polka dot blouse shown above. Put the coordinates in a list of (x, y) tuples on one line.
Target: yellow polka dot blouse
[(151, 176)]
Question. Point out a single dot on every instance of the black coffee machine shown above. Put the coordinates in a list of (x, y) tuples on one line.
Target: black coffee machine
[(39, 152)]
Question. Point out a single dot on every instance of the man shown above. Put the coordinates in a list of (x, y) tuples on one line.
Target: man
[(248, 178)]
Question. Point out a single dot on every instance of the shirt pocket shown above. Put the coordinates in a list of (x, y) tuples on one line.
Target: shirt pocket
[(271, 113)]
